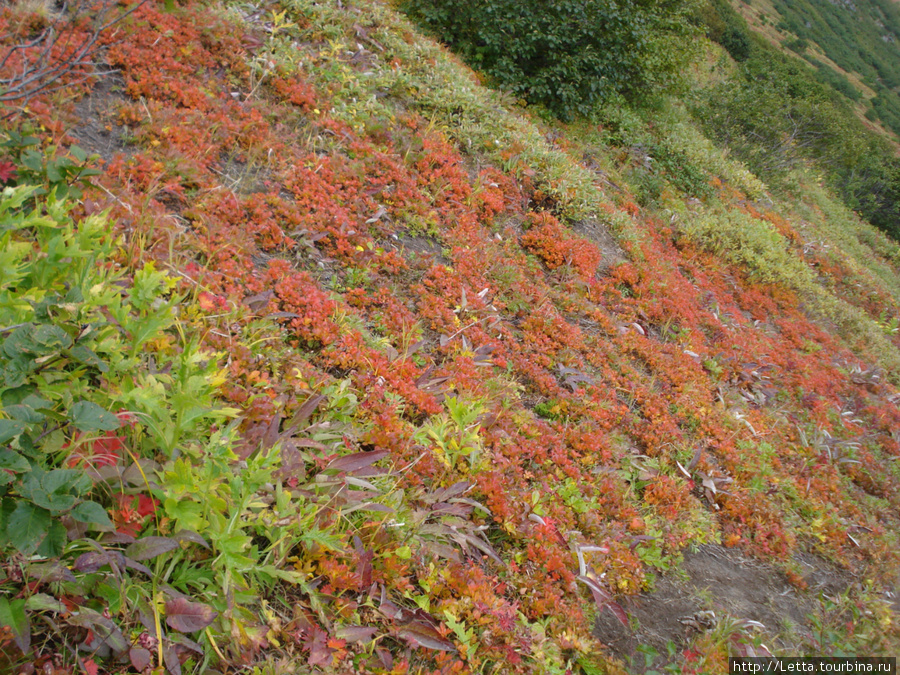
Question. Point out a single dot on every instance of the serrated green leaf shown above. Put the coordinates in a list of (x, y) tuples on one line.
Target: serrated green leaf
[(88, 416), (36, 402), (24, 413), (13, 461), (60, 480), (53, 172), (91, 512), (31, 483), (7, 506), (27, 527), (17, 395), (55, 493), (19, 342), (12, 615), (323, 539), (32, 160), (53, 501), (78, 153), (54, 543), (88, 357), (9, 429), (51, 338), (16, 373)]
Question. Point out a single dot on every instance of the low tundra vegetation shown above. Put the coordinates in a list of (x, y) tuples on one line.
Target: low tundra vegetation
[(321, 357)]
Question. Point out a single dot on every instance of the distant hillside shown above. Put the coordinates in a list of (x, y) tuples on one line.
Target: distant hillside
[(854, 46)]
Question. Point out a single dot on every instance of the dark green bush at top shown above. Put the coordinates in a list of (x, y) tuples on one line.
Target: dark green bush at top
[(569, 55)]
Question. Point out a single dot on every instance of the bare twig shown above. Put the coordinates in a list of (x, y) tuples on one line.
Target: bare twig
[(62, 54)]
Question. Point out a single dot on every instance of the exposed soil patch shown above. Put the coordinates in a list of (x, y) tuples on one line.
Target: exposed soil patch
[(97, 130), (715, 582), (244, 178), (418, 247), (600, 236)]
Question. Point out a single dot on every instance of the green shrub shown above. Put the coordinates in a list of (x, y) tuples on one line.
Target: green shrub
[(724, 25), (569, 55)]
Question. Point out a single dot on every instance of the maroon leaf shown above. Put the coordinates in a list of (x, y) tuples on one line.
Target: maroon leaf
[(271, 434), (389, 609), (356, 461), (182, 641), (444, 509), (104, 630), (355, 633), (49, 571), (306, 410), (446, 494), (637, 539), (132, 565), (193, 537), (170, 657), (145, 616), (379, 508), (442, 550), (319, 653), (479, 543), (425, 636), (387, 659), (140, 658), (115, 538), (188, 617), (150, 547), (309, 443), (363, 561), (413, 348), (93, 560), (696, 458), (604, 600), (259, 301), (619, 612)]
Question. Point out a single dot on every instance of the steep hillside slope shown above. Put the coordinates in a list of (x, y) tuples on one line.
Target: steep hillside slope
[(852, 47), (447, 388)]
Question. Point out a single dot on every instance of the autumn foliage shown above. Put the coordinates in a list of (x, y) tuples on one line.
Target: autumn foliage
[(460, 391)]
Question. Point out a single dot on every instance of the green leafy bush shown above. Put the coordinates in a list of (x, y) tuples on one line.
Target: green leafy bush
[(53, 354), (75, 394), (724, 25), (569, 55)]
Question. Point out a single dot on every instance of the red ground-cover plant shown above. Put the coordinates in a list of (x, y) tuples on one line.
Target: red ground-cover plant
[(646, 362)]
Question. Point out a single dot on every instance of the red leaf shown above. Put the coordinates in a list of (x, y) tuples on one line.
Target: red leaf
[(188, 617), (90, 666), (140, 658), (319, 653), (7, 171)]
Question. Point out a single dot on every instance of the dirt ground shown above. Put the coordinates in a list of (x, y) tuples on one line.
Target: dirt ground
[(713, 584)]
